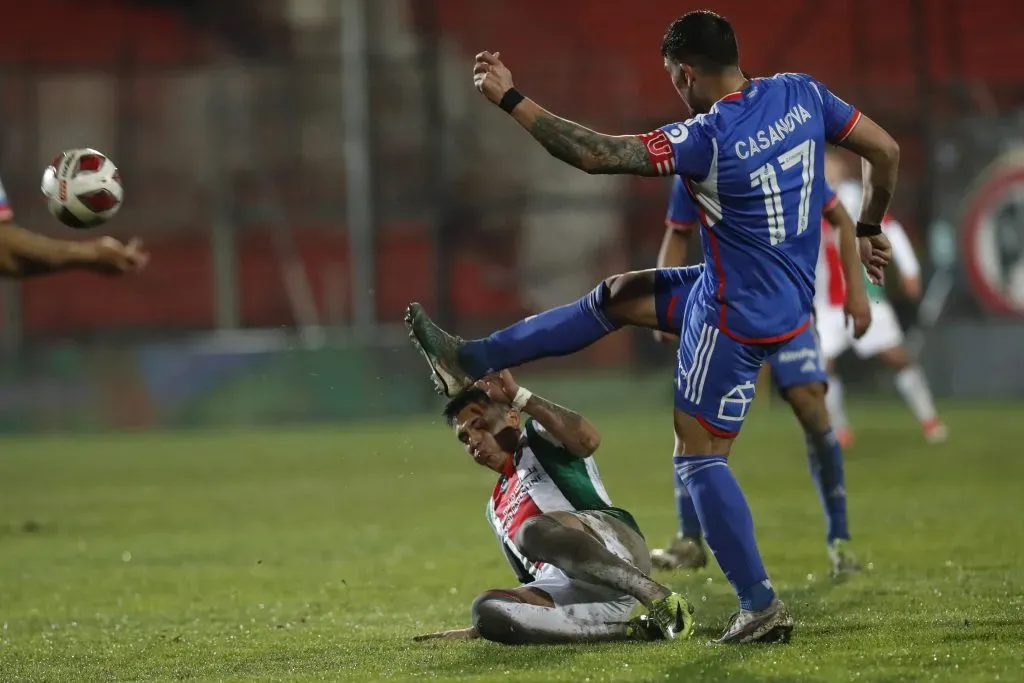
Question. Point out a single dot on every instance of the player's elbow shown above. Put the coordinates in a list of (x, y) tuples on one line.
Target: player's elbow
[(595, 160), (590, 165), (588, 442), (891, 151), (575, 156), (888, 153)]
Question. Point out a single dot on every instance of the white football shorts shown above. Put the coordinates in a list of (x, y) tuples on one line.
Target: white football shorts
[(588, 601), (835, 336)]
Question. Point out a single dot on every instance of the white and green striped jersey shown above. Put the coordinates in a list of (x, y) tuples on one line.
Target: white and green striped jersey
[(544, 477)]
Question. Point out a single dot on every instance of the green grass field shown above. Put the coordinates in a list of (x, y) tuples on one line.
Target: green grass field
[(315, 554)]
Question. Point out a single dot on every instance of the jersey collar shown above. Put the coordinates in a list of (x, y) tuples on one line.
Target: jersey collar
[(509, 468), (738, 95)]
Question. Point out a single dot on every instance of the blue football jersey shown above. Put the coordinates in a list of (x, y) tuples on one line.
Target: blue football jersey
[(682, 212), (754, 166)]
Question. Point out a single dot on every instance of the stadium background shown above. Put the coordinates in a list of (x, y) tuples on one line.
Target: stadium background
[(303, 169)]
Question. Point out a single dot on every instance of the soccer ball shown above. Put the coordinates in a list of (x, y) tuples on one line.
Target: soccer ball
[(82, 188)]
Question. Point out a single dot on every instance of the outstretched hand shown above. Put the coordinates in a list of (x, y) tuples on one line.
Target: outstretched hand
[(491, 76), (113, 256)]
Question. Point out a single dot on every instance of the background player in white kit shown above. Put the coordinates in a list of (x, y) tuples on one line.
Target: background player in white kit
[(582, 562), (884, 338)]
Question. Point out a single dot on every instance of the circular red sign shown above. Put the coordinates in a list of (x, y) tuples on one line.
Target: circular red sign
[(980, 248)]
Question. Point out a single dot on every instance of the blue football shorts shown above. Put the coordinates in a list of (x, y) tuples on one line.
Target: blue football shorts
[(717, 375)]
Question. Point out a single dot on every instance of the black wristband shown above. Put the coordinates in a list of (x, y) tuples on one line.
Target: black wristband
[(868, 230), (510, 99)]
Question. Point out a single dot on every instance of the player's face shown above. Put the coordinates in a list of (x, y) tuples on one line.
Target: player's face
[(489, 433), (683, 81)]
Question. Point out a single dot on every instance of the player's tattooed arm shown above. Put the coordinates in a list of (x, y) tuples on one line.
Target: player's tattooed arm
[(570, 142), (570, 428), (584, 148)]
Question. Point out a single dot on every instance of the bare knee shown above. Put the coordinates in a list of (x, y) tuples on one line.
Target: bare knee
[(493, 622), (567, 519), (692, 437), (630, 299), (808, 402), (537, 537)]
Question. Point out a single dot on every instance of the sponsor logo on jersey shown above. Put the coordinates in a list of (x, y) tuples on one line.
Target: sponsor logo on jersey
[(798, 355), (678, 133), (522, 484)]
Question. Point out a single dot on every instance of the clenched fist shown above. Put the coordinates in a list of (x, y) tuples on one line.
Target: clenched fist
[(491, 76)]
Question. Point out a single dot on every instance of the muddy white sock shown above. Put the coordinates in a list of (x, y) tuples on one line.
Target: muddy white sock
[(518, 623)]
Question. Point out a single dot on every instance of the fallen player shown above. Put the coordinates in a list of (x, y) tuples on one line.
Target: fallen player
[(753, 301), (583, 563)]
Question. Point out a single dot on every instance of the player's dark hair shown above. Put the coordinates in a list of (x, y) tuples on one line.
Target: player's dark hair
[(702, 39), (466, 397)]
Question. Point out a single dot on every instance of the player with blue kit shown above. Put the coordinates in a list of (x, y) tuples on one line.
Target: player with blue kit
[(752, 162), (798, 373)]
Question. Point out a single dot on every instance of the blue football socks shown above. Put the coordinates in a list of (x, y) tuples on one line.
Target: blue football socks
[(689, 522), (556, 332), (728, 526), (825, 457)]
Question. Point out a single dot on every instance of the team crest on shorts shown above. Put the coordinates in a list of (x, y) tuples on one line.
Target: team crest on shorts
[(734, 405)]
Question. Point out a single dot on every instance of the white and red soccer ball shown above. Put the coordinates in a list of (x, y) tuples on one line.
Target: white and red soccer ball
[(82, 188)]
